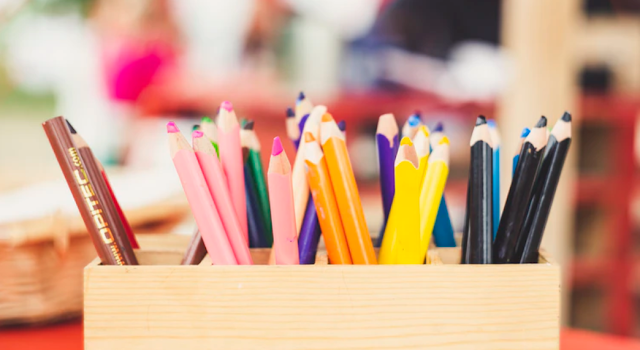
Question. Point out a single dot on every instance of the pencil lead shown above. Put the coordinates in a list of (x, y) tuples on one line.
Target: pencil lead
[(566, 117), (491, 123), (406, 141), (195, 127), (327, 118), (301, 96), (439, 127), (71, 128), (277, 146), (290, 113), (342, 125), (444, 141), (542, 122), (172, 128), (481, 120), (417, 113), (206, 119), (248, 125), (525, 132), (308, 137), (227, 105), (414, 120), (197, 134)]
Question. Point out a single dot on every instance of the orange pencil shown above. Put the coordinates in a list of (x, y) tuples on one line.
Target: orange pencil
[(346, 191), (325, 201), (285, 236)]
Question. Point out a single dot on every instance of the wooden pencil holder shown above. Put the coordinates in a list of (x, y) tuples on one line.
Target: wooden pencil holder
[(443, 305)]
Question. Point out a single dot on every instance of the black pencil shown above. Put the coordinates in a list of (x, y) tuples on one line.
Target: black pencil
[(480, 235), (465, 230), (544, 189), (515, 208)]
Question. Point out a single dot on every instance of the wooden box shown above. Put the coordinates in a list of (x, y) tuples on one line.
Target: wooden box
[(442, 305)]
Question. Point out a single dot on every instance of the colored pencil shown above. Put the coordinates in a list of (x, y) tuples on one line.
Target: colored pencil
[(544, 189), (325, 202), (423, 149), (309, 235), (516, 157), (387, 143), (480, 234), (285, 235), (82, 148), (231, 158), (519, 193), (410, 127), (443, 235), (196, 251), (111, 243), (255, 222), (293, 132), (346, 191), (431, 191), (406, 210), (303, 107), (209, 128), (495, 141), (254, 161), (342, 125), (202, 205)]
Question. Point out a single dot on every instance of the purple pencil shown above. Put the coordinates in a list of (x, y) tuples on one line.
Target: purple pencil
[(309, 235), (387, 142)]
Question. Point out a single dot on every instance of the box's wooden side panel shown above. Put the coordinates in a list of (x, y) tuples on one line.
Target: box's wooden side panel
[(322, 307)]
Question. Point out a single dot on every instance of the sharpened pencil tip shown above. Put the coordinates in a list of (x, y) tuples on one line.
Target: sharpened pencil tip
[(525, 132), (206, 119), (406, 141), (248, 125), (197, 134), (290, 113), (444, 141), (439, 127), (414, 121), (491, 123), (566, 117), (542, 122), (227, 106), (308, 137), (327, 117), (71, 128), (342, 125), (172, 128), (481, 120), (301, 96), (195, 127), (277, 146)]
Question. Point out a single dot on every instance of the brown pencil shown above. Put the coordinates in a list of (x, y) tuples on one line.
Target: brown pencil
[(91, 196)]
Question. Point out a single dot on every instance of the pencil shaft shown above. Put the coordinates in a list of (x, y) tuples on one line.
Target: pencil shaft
[(464, 258), (257, 172), (430, 201), (231, 159), (496, 189), (481, 204), (254, 216), (309, 235), (386, 158), (123, 218), (406, 208), (443, 235), (196, 251)]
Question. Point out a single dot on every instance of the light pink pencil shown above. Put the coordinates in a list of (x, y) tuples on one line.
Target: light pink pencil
[(231, 158), (285, 235), (201, 203), (217, 183)]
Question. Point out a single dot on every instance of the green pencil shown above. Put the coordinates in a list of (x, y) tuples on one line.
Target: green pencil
[(210, 130), (249, 139)]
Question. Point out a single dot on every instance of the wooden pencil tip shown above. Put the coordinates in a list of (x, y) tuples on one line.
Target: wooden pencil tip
[(277, 146), (71, 128), (566, 117), (342, 125), (327, 117), (172, 128), (227, 106), (406, 141), (481, 120), (248, 125), (290, 113), (308, 137), (197, 134), (542, 122), (206, 119), (444, 141), (525, 132), (439, 127)]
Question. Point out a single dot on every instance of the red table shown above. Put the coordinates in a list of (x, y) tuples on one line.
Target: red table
[(68, 336)]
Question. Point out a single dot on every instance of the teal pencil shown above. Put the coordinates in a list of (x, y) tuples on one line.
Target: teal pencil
[(442, 229), (495, 139)]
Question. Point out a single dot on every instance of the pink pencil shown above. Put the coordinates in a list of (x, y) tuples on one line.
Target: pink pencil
[(285, 235), (217, 183), (201, 203), (231, 158)]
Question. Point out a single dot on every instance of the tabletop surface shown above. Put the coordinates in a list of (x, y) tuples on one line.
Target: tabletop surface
[(68, 336)]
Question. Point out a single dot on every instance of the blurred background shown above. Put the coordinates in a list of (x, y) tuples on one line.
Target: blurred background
[(120, 69)]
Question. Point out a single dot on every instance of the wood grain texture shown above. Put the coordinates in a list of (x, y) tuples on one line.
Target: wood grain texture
[(448, 306)]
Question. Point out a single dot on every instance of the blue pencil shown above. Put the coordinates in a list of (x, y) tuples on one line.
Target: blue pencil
[(516, 158), (495, 140), (442, 229)]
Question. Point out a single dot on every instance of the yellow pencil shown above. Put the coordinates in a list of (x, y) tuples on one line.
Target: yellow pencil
[(431, 192), (401, 243), (421, 143)]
